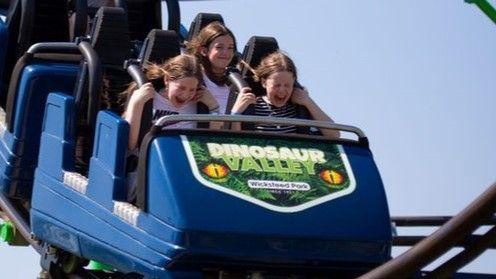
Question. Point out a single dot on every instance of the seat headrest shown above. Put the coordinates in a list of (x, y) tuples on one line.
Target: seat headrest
[(4, 4), (143, 16), (43, 21), (160, 46), (110, 36), (29, 22), (95, 5), (255, 50), (201, 20)]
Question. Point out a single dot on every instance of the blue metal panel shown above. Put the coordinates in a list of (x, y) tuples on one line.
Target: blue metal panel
[(356, 225), (75, 222), (19, 148), (57, 139), (108, 161)]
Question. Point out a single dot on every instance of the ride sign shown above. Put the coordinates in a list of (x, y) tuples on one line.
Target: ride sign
[(280, 175)]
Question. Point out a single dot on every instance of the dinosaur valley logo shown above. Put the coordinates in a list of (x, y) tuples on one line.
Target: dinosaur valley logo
[(281, 175)]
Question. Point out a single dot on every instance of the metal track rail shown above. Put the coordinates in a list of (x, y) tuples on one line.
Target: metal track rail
[(442, 240)]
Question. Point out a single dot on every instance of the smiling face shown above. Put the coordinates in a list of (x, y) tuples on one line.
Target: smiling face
[(220, 53), (279, 87), (181, 91)]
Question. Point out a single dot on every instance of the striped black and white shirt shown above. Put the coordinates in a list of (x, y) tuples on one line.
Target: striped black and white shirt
[(262, 108)]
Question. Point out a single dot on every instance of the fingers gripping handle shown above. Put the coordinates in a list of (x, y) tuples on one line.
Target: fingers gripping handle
[(135, 72)]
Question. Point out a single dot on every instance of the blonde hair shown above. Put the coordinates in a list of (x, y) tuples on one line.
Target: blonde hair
[(181, 66)]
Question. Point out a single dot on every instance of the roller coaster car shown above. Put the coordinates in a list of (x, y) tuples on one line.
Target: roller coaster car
[(207, 200), (211, 200)]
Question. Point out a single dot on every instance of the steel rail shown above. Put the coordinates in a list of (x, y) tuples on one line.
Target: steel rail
[(465, 256), (429, 221), (442, 240), (412, 240), (257, 119)]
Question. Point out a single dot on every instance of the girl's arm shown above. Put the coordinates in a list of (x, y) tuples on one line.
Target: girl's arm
[(134, 111), (209, 100), (244, 99), (301, 97)]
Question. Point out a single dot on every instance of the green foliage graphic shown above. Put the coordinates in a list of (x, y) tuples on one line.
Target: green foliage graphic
[(321, 183)]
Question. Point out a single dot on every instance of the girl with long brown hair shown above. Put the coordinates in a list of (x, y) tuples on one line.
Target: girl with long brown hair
[(215, 48), (278, 75), (174, 87)]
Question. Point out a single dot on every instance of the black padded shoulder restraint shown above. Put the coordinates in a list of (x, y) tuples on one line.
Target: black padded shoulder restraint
[(255, 50), (201, 20)]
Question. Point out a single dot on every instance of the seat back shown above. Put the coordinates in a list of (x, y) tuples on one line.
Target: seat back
[(160, 46), (201, 20), (143, 16), (255, 50), (4, 5), (110, 37), (29, 22), (110, 40), (37, 77)]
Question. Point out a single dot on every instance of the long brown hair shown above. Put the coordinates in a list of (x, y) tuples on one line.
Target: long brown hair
[(203, 40), (175, 68), (273, 63)]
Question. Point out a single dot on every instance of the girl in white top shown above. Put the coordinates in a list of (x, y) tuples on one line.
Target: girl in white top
[(215, 46), (177, 81)]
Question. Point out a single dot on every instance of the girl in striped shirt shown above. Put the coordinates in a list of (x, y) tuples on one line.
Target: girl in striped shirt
[(277, 74)]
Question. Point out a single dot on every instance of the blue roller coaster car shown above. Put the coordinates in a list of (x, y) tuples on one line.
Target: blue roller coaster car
[(210, 200)]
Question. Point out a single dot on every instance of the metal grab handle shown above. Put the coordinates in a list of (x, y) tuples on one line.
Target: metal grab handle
[(57, 47), (258, 119), (94, 80), (136, 74), (235, 78), (93, 64)]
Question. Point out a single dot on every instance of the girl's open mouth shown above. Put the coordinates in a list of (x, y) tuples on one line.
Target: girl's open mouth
[(280, 99)]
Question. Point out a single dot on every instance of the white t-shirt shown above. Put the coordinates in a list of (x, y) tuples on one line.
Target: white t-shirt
[(220, 93), (163, 107)]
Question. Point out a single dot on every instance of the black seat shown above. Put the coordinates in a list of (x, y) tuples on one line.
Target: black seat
[(143, 16), (160, 46), (111, 40), (4, 5), (29, 22), (201, 20), (255, 50), (110, 36)]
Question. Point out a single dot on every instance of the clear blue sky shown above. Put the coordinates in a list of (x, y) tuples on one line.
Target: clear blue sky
[(416, 76)]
